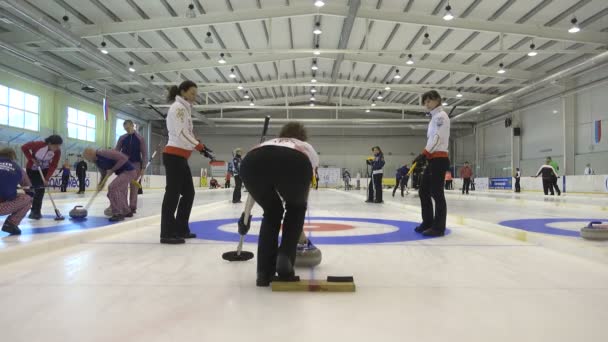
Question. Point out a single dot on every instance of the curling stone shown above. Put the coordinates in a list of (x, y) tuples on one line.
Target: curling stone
[(595, 231), (308, 255), (79, 212)]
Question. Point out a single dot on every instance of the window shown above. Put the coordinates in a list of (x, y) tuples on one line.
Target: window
[(119, 129), (81, 125), (19, 109)]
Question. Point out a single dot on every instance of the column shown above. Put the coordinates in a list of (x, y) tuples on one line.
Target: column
[(569, 129)]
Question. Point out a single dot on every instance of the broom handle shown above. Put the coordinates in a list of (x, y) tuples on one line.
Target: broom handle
[(97, 192)]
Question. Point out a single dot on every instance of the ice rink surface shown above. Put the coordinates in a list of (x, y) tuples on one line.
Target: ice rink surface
[(470, 285)]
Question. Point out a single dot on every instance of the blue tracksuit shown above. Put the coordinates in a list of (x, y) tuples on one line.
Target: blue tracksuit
[(11, 175)]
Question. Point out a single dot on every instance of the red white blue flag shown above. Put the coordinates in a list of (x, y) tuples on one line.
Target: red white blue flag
[(106, 109)]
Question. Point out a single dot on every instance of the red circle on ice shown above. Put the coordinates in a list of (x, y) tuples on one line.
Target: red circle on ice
[(326, 227)]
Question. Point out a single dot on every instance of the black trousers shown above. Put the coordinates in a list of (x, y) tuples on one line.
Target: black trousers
[(39, 189), (466, 185), (64, 182), (517, 186), (374, 190), (81, 183), (179, 194), (431, 188), (548, 186), (400, 183), (554, 186), (273, 174), (236, 194)]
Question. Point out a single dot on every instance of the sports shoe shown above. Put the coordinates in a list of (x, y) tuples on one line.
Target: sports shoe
[(116, 218), (11, 228)]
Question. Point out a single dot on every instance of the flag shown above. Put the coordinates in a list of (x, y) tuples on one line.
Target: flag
[(598, 131), (106, 109)]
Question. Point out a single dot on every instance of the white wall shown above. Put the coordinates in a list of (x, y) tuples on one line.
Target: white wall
[(591, 106), (495, 159), (542, 136), (543, 132)]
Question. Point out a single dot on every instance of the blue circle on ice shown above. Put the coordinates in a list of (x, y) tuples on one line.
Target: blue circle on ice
[(541, 225), (69, 224), (208, 230)]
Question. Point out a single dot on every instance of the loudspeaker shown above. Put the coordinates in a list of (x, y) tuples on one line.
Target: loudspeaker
[(516, 131), (508, 122)]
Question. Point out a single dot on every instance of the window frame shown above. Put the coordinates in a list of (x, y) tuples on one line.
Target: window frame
[(25, 110)]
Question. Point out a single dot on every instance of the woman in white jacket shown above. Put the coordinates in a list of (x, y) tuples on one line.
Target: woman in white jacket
[(174, 228)]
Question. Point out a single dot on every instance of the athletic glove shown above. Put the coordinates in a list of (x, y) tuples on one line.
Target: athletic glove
[(421, 159), (208, 153)]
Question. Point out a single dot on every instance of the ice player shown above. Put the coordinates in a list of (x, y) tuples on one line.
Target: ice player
[(278, 175), (517, 179), (374, 189), (346, 178), (179, 192), (548, 174), (11, 203), (555, 167), (401, 179), (81, 173), (134, 146), (112, 161), (65, 176), (236, 168), (436, 152), (45, 156)]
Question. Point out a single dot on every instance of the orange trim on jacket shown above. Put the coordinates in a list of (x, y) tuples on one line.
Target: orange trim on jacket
[(437, 154)]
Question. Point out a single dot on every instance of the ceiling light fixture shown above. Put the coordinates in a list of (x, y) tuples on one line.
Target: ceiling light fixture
[(222, 60), (209, 39), (314, 65), (232, 74), (190, 13), (410, 61), (448, 13), (66, 22), (397, 76), (459, 95), (246, 96), (316, 51), (131, 69), (103, 48), (312, 104), (373, 103), (426, 40), (251, 103), (317, 29), (388, 87), (575, 28), (312, 97), (367, 110), (379, 97), (501, 69), (444, 103), (532, 52), (319, 3), (313, 90), (240, 86)]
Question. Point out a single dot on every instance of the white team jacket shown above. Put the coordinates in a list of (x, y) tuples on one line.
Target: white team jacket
[(179, 125), (438, 134)]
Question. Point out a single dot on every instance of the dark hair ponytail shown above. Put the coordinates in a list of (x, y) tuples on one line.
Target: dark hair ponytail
[(175, 90), (54, 140)]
